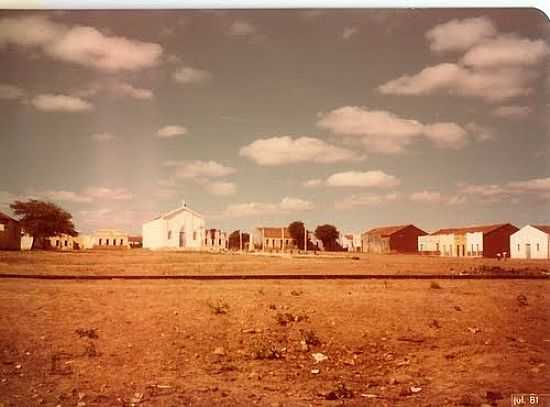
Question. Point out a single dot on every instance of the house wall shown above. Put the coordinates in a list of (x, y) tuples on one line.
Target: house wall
[(372, 243), (215, 239), (154, 234), (447, 245), (498, 241), (110, 239), (428, 244), (10, 235), (406, 240), (474, 244), (191, 225), (26, 241), (537, 239)]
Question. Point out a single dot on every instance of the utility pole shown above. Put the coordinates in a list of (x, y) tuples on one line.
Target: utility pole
[(263, 240), (283, 242), (240, 241), (305, 238)]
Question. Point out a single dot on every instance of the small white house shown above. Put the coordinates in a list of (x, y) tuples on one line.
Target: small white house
[(531, 242), (181, 228)]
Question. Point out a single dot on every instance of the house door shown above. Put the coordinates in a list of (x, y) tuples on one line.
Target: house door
[(463, 250), (527, 250), (182, 239), (457, 250)]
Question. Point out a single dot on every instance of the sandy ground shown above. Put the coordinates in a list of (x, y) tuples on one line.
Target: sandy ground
[(145, 262), (242, 343)]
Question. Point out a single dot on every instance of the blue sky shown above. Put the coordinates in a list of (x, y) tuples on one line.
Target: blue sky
[(358, 118)]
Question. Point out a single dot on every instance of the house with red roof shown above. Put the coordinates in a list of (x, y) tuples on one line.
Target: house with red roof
[(531, 242), (391, 239)]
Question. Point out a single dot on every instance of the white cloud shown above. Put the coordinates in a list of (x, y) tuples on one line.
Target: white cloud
[(506, 50), (242, 28), (60, 103), (103, 193), (384, 132), (492, 85), (134, 92), (535, 187), (368, 179), (221, 188), (198, 168), (87, 195), (171, 131), (436, 198), (312, 183), (101, 137), (286, 150), (459, 35), (11, 92), (512, 111), (349, 32), (286, 205), (187, 75), (532, 185), (479, 132), (81, 45), (366, 200)]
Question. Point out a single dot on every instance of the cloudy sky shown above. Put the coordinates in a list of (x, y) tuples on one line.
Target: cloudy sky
[(357, 118)]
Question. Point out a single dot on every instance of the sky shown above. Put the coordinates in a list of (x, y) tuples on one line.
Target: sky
[(357, 118)]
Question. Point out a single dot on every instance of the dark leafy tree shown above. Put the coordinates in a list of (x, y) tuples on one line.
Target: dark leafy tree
[(43, 219), (234, 240), (296, 230), (328, 234)]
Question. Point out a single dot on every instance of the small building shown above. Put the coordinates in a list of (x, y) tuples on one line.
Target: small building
[(215, 239), (392, 239), (10, 233), (350, 241), (531, 242), (110, 239), (135, 242), (429, 244), (182, 228), (470, 241), (273, 239), (64, 242)]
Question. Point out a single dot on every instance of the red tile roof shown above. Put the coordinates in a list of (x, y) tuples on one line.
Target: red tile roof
[(543, 228), (387, 230), (470, 229), (3, 216)]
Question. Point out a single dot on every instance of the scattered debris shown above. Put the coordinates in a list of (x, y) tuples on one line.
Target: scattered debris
[(414, 339), (319, 357), (435, 285), (268, 353), (474, 330), (220, 351), (296, 293), (304, 346), (341, 392), (522, 300), (286, 318), (434, 323), (252, 331), (370, 396), (219, 307), (315, 370), (88, 333), (311, 338), (457, 308), (415, 389), (136, 398)]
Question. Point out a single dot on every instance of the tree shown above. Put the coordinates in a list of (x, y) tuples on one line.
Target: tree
[(43, 219), (328, 234), (234, 241), (296, 230)]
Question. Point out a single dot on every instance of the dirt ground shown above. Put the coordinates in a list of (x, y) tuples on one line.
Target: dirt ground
[(242, 343)]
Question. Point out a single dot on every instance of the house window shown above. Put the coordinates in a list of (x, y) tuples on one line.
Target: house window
[(2, 227), (437, 246), (194, 235), (100, 241), (106, 242), (169, 234), (114, 242), (66, 243), (121, 242), (220, 242), (518, 247), (57, 243), (538, 247)]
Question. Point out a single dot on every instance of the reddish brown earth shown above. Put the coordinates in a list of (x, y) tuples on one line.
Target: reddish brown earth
[(238, 343)]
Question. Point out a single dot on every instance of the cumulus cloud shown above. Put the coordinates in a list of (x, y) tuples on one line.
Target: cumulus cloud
[(436, 198), (242, 28), (198, 168), (82, 45), (384, 132), (171, 131), (102, 137), (286, 150), (60, 103), (134, 92), (349, 32), (221, 188), (114, 87), (187, 75), (366, 200), (312, 183), (11, 92), (286, 205), (506, 50), (495, 66), (535, 187), (459, 35), (87, 195), (492, 85), (512, 111), (368, 179)]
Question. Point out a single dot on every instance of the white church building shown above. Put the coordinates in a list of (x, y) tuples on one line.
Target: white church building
[(181, 228), (531, 242)]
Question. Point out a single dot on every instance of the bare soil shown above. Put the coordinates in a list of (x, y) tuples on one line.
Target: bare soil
[(242, 343)]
